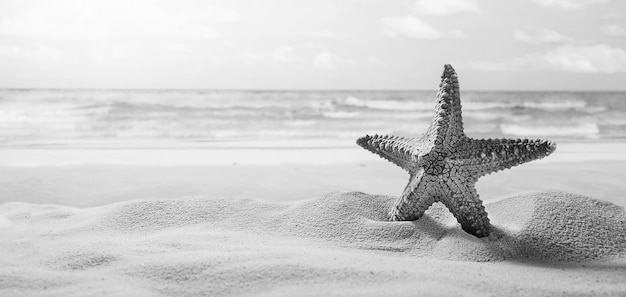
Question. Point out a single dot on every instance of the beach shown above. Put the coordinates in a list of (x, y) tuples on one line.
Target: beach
[(244, 193), (296, 171), (335, 245), (312, 148), (306, 221)]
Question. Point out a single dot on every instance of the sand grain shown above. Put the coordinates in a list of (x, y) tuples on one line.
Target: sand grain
[(543, 244)]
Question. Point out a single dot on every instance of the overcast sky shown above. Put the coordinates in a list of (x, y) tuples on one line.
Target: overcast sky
[(313, 44)]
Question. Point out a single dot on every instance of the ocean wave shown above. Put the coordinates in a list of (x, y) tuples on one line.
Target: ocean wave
[(299, 123), (486, 116), (341, 114), (385, 115), (613, 118), (151, 107), (559, 105), (481, 105), (126, 115), (421, 116), (482, 128), (548, 106), (583, 130), (595, 109), (386, 104), (300, 134)]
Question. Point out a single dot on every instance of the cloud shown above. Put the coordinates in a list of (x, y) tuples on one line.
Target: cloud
[(113, 52), (38, 53), (178, 47), (288, 55), (252, 58), (445, 7), (109, 19), (541, 37), (376, 62), (458, 34), (284, 54), (569, 4), (319, 34), (280, 55), (410, 26), (599, 58), (10, 51), (614, 30), (328, 60)]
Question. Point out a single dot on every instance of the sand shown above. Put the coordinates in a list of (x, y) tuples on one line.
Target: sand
[(88, 177), (258, 221), (543, 244)]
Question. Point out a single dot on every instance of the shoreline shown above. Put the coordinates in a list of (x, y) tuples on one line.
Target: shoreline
[(253, 153), (91, 177), (94, 185)]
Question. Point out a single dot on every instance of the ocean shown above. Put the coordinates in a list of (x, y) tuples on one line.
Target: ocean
[(49, 117)]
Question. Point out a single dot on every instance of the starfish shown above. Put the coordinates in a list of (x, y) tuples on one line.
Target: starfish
[(444, 164)]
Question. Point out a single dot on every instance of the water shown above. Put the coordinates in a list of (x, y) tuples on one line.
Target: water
[(35, 116)]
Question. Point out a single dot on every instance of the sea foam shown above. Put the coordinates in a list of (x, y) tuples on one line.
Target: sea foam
[(584, 130), (40, 116)]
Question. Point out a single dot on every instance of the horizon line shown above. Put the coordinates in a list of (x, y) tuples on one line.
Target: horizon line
[(305, 89)]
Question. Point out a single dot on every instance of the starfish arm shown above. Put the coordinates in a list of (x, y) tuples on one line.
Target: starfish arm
[(401, 151), (484, 156), (415, 200), (446, 127), (467, 207)]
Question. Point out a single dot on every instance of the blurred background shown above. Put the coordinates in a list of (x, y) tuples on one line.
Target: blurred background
[(102, 101), (153, 118)]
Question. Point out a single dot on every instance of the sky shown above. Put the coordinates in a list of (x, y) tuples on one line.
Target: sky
[(313, 44)]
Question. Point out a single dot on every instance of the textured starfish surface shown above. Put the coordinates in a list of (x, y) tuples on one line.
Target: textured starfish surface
[(444, 164)]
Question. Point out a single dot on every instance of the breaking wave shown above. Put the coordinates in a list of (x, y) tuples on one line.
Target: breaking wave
[(584, 130), (79, 115), (386, 104)]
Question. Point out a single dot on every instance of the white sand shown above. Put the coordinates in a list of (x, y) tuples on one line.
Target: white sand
[(549, 244), (336, 245), (248, 153), (88, 177)]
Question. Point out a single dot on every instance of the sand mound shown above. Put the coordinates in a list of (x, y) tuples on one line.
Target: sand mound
[(557, 226), (201, 246)]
